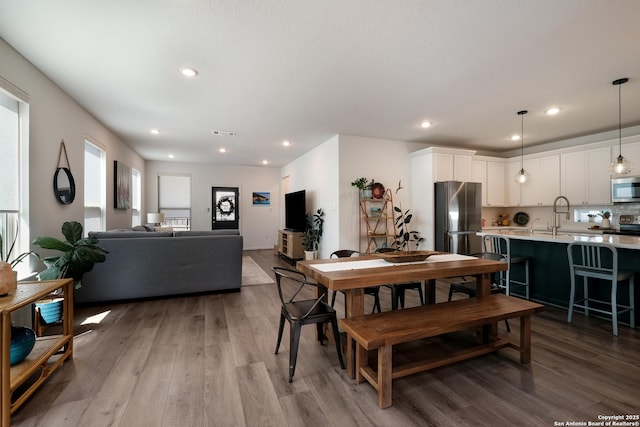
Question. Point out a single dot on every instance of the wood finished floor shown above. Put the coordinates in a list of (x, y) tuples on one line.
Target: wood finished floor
[(209, 361)]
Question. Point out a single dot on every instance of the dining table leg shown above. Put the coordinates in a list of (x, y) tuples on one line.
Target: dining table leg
[(430, 291), (354, 299)]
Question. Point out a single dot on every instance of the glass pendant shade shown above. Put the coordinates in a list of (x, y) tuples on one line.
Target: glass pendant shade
[(620, 165), (522, 176)]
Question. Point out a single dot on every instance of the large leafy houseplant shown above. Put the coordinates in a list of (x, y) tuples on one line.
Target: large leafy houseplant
[(78, 255), (313, 233)]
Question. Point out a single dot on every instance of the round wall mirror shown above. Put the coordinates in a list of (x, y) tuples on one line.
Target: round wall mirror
[(64, 187)]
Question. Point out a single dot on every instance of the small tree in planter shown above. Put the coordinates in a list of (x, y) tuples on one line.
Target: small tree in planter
[(313, 233)]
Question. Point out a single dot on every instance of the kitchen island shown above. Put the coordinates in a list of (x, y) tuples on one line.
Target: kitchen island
[(550, 278)]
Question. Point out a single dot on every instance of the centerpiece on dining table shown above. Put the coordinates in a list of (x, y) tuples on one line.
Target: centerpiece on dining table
[(406, 256)]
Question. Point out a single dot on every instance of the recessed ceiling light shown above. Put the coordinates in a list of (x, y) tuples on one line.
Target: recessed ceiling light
[(426, 124), (222, 150), (188, 72), (552, 111), (155, 131), (286, 143), (515, 137), (171, 156), (264, 162)]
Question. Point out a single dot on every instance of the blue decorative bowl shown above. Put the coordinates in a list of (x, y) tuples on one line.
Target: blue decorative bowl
[(51, 312), (22, 342)]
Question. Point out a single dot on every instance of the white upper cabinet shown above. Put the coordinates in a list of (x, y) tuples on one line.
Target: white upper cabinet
[(585, 177), (542, 186), (496, 188), (490, 172), (450, 166), (513, 188)]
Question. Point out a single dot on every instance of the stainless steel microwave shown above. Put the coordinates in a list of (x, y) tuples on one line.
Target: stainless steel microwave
[(625, 190)]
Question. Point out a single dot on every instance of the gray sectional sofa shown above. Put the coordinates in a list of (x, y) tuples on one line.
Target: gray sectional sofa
[(144, 264)]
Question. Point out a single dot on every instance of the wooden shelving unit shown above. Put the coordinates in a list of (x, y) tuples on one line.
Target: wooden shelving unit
[(290, 245), (377, 223), (48, 353)]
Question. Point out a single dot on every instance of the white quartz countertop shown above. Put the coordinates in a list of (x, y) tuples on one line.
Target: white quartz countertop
[(619, 241)]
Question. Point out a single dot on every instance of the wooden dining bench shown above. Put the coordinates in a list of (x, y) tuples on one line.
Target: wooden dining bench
[(382, 331)]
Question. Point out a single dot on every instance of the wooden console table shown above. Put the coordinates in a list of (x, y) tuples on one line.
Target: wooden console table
[(48, 353)]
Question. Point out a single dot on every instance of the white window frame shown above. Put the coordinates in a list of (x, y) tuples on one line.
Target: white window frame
[(136, 197), (89, 207), (176, 215), (14, 220)]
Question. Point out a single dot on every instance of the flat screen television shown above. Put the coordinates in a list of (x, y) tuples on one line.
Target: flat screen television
[(295, 211)]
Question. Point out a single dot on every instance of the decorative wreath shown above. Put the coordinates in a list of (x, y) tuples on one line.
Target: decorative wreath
[(225, 206)]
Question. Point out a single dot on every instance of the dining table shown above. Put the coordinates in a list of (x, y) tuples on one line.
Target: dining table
[(352, 275)]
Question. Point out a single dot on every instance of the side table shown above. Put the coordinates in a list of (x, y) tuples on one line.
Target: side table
[(47, 355)]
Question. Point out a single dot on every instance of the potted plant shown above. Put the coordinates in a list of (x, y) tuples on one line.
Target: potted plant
[(606, 223), (405, 237), (9, 277), (312, 234), (592, 217), (78, 254), (364, 186)]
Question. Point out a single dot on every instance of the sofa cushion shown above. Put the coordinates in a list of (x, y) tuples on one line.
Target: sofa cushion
[(128, 233), (181, 233)]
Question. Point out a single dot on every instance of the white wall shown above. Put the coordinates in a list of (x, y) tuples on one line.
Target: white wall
[(316, 172), (327, 172), (55, 116), (258, 224)]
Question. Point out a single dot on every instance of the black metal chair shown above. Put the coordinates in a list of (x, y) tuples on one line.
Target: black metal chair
[(467, 286), (300, 312), (371, 290), (398, 289)]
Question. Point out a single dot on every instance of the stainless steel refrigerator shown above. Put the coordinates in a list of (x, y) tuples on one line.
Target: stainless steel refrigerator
[(458, 217)]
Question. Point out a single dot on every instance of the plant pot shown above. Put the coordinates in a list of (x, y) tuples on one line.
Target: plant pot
[(8, 279), (310, 255), (50, 310), (22, 342), (605, 223)]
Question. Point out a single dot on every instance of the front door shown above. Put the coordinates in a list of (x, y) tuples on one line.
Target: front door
[(225, 208)]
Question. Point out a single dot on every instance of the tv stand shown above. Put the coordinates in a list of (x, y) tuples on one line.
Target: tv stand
[(290, 245)]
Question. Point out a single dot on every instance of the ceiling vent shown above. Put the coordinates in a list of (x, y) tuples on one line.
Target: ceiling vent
[(223, 132)]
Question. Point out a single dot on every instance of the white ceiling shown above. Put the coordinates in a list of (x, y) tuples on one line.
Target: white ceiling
[(305, 70)]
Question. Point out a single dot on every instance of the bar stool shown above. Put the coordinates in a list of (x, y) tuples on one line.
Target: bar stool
[(598, 261), (502, 246)]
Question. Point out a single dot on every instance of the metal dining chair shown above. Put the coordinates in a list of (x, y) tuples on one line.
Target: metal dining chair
[(398, 289), (299, 312), (502, 245), (598, 261), (370, 290)]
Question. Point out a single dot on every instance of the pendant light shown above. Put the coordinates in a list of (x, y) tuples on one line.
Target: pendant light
[(620, 165), (522, 176)]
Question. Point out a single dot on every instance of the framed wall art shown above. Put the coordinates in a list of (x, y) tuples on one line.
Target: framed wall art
[(261, 198), (121, 185)]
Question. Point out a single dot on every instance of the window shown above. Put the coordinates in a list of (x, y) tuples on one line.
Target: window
[(174, 200), (136, 192), (14, 173), (95, 201)]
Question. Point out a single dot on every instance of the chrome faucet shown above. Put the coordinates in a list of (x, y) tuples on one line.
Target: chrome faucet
[(555, 226), (531, 224)]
